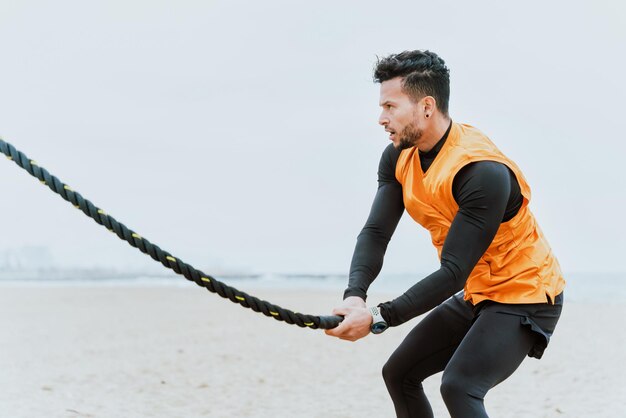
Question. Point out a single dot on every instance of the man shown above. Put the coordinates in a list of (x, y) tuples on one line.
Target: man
[(473, 200)]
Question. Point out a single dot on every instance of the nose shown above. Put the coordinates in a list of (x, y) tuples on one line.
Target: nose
[(383, 119)]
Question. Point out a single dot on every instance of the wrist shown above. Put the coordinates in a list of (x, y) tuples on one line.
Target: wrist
[(378, 324), (354, 292), (354, 301)]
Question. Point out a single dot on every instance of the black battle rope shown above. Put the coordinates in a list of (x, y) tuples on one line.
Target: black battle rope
[(169, 261)]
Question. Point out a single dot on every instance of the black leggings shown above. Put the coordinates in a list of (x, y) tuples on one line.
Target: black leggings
[(475, 356)]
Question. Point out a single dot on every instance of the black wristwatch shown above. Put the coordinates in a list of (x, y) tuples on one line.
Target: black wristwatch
[(378, 323)]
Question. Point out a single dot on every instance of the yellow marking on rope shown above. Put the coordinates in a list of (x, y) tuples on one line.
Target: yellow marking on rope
[(171, 258), (136, 236), (308, 324), (66, 187), (42, 181), (239, 298), (274, 313), (32, 162), (9, 157), (110, 230), (77, 207), (101, 212), (205, 279)]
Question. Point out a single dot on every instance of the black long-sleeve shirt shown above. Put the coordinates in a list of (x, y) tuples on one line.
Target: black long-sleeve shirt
[(487, 193)]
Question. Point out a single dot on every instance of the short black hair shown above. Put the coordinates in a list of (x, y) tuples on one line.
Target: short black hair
[(424, 73)]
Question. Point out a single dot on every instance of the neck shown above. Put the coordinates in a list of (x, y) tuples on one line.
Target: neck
[(435, 132)]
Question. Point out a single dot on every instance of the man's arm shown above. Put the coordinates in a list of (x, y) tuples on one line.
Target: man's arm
[(482, 190), (369, 252), (386, 211)]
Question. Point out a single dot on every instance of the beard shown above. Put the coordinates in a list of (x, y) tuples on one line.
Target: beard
[(409, 137)]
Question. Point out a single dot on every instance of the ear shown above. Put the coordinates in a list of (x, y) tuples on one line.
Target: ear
[(429, 105)]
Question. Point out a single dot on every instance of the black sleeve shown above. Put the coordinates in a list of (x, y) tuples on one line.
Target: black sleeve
[(383, 219), (481, 190)]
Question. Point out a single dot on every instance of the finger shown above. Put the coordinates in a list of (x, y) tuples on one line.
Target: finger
[(333, 333), (342, 324), (342, 310)]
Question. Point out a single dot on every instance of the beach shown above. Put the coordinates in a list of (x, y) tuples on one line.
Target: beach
[(180, 351)]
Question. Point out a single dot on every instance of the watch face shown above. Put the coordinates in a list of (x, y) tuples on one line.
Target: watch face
[(379, 327)]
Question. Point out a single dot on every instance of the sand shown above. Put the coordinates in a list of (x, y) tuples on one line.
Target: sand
[(183, 352)]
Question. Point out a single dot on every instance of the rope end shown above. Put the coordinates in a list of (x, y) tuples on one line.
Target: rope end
[(330, 321)]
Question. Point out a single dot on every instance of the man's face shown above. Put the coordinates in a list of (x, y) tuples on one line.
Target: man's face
[(400, 116)]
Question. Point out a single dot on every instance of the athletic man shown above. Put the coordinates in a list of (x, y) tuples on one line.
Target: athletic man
[(498, 293)]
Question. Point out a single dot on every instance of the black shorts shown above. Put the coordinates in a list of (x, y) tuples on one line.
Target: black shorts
[(541, 318)]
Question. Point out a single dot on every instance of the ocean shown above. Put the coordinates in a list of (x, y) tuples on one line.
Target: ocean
[(581, 287)]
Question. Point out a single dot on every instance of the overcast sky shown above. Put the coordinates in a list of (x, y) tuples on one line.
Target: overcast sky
[(243, 136)]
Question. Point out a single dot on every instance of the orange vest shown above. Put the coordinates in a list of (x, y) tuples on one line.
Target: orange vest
[(518, 266)]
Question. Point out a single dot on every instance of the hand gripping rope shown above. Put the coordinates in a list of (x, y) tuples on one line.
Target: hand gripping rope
[(165, 258)]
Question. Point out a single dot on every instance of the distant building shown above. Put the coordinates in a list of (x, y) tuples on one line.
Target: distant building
[(26, 258)]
